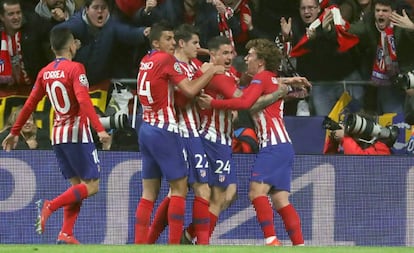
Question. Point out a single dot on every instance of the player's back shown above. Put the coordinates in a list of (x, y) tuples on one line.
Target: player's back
[(159, 72), (65, 82)]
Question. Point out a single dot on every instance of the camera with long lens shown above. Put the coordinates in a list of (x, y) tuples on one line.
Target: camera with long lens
[(116, 121), (330, 124), (369, 131), (405, 80)]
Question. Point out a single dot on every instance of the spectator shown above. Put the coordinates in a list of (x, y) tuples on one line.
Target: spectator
[(30, 136), (323, 62), (98, 33), (23, 51), (66, 85), (196, 12), (235, 22), (160, 74), (56, 11), (271, 173), (388, 52), (355, 10)]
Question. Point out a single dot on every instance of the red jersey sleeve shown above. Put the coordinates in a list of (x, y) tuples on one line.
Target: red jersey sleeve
[(37, 93), (81, 88), (249, 97)]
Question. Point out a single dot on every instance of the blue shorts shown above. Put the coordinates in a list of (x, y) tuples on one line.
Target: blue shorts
[(198, 171), (273, 166), (220, 164), (77, 160), (163, 154)]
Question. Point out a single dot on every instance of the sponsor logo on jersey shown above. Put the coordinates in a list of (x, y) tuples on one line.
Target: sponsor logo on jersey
[(177, 68), (83, 80)]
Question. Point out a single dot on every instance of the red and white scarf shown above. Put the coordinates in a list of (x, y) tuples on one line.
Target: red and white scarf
[(224, 28), (323, 3), (5, 62), (385, 63), (12, 60), (345, 40), (242, 8)]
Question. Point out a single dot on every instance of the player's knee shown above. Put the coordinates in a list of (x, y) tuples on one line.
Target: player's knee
[(93, 187), (202, 191)]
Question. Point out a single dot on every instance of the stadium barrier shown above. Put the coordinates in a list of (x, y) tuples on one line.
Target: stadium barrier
[(342, 200)]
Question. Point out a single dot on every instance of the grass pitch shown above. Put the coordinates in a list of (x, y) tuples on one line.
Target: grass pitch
[(39, 248)]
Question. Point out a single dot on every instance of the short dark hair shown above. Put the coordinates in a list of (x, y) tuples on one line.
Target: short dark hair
[(390, 3), (185, 32), (88, 3), (215, 42), (59, 38), (8, 2), (157, 29)]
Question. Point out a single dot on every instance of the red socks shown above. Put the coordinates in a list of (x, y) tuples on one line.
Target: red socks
[(142, 220), (264, 213), (292, 224), (201, 220), (176, 211), (213, 222), (160, 221), (70, 215), (74, 194)]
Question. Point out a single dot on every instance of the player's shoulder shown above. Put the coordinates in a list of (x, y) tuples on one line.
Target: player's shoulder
[(264, 76)]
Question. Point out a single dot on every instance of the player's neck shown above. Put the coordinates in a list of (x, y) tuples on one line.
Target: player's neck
[(67, 56), (181, 57)]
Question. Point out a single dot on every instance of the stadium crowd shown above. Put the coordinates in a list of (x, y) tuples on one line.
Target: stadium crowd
[(258, 54), (328, 42)]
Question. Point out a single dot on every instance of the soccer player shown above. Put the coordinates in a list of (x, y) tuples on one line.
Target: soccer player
[(163, 153), (66, 85), (272, 170), (216, 134), (188, 43)]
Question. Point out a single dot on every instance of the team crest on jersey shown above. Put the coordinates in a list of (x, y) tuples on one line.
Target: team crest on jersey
[(274, 80), (203, 173), (177, 68), (222, 178), (83, 80)]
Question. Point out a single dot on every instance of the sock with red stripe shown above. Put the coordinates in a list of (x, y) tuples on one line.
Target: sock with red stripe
[(160, 221), (74, 194), (291, 220), (142, 220), (176, 212), (264, 214), (70, 215), (201, 220), (213, 222)]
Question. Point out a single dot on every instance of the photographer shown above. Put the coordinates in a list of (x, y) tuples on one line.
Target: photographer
[(360, 136)]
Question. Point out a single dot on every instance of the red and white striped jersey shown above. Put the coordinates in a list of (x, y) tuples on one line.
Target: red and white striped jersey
[(159, 73), (216, 124), (66, 86), (270, 126), (187, 110)]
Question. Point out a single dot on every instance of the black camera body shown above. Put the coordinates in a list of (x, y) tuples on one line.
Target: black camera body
[(330, 124), (405, 80)]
